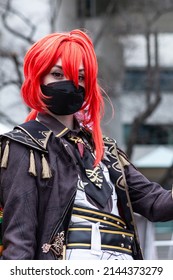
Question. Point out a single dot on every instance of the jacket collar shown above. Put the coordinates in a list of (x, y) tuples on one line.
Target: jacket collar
[(36, 133), (32, 133), (56, 126)]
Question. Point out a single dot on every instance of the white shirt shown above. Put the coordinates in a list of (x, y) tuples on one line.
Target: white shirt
[(95, 253)]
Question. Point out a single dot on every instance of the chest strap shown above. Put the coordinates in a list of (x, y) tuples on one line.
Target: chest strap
[(94, 215)]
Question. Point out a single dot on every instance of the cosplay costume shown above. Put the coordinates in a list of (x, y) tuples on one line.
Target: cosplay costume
[(54, 199)]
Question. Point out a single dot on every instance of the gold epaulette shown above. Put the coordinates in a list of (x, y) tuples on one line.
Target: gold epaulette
[(46, 171), (123, 158), (35, 136)]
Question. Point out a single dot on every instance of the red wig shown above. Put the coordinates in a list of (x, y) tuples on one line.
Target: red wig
[(73, 48)]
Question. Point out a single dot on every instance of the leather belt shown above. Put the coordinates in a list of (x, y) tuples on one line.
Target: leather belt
[(92, 215), (79, 237)]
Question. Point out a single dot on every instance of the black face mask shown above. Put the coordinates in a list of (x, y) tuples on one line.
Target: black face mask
[(65, 97)]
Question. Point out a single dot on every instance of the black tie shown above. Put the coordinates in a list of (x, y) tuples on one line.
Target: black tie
[(96, 185)]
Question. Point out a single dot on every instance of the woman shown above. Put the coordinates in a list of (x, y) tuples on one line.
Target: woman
[(66, 191)]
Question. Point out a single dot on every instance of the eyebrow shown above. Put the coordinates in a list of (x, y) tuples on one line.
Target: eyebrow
[(60, 67)]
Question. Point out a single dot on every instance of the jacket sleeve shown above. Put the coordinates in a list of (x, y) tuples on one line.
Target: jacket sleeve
[(148, 198), (19, 198)]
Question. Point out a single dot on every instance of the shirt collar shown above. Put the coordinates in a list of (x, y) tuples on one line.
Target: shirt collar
[(56, 126)]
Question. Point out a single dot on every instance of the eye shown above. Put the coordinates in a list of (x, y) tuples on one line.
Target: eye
[(57, 75), (81, 78)]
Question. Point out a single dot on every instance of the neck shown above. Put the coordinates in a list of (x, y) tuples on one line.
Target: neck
[(67, 120)]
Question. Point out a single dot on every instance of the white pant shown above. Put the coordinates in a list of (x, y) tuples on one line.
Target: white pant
[(85, 254)]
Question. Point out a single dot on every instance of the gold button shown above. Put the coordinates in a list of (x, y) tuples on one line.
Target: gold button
[(130, 247), (122, 245), (131, 238), (118, 223), (125, 227), (104, 218), (123, 235)]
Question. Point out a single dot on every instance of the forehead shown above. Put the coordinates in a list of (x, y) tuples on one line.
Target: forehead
[(59, 63)]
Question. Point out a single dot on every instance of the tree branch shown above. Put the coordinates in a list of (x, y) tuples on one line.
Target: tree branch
[(150, 105), (55, 7), (105, 22), (9, 10), (138, 120), (17, 66), (9, 82), (13, 56)]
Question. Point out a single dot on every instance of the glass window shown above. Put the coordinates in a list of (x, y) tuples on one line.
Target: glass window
[(152, 134), (164, 232), (166, 79), (135, 79), (92, 8)]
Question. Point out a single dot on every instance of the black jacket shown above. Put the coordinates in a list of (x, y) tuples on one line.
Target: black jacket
[(37, 207)]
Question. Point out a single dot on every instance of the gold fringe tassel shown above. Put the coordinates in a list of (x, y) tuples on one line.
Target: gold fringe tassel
[(4, 161), (32, 167), (46, 172)]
